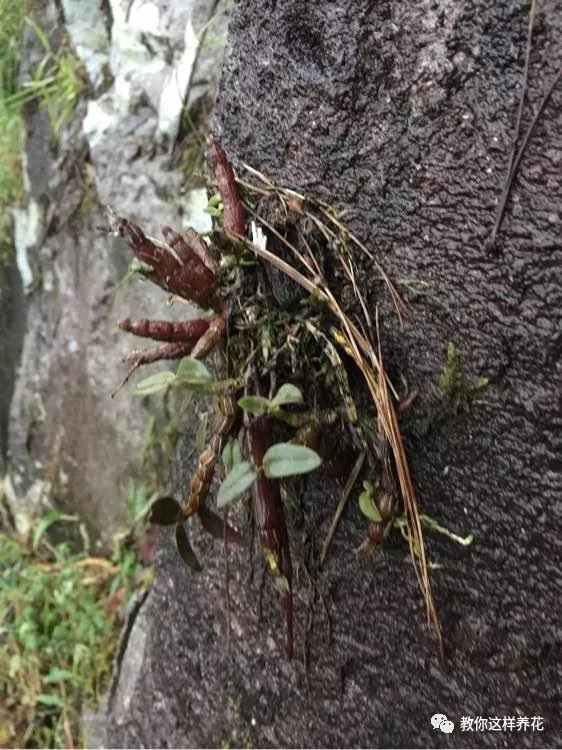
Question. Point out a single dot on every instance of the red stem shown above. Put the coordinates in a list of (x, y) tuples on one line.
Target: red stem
[(166, 330), (234, 217), (269, 515)]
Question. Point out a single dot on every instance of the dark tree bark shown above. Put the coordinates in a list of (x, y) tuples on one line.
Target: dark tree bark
[(403, 115)]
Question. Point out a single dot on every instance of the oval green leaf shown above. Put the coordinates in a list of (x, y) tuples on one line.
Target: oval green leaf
[(367, 504), (164, 511), (139, 266), (214, 200), (257, 405), (154, 383), (240, 479), (231, 455), (286, 460), (287, 394), (192, 370)]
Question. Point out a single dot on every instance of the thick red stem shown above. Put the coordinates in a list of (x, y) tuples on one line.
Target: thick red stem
[(166, 330), (234, 217), (269, 515)]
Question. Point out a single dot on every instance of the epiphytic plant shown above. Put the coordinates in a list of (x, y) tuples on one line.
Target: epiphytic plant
[(273, 333)]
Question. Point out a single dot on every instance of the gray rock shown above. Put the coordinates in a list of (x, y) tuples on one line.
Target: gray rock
[(67, 441), (12, 322), (88, 28)]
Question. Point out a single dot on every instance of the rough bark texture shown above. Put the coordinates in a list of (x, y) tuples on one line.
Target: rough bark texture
[(402, 113)]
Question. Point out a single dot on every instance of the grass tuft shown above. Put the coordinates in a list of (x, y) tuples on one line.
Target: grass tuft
[(56, 84), (60, 616)]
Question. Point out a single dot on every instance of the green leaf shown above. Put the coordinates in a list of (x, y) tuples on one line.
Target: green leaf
[(214, 200), (154, 383), (164, 511), (50, 700), (367, 503), (208, 386), (287, 394), (138, 266), (135, 267), (241, 478), (231, 455), (192, 370), (257, 405), (286, 460), (185, 549), (56, 674)]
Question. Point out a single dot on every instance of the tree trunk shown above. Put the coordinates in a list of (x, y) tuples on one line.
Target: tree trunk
[(402, 115)]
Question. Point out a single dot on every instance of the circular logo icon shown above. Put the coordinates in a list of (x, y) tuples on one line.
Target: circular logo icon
[(440, 721)]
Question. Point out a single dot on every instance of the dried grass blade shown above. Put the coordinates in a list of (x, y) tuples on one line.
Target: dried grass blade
[(415, 533), (345, 493), (386, 415), (287, 244), (399, 304)]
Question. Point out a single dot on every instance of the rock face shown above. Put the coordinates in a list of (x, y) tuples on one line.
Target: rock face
[(402, 114), (68, 441)]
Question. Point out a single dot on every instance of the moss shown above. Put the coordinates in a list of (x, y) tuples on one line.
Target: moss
[(90, 200), (161, 439), (158, 449), (459, 391)]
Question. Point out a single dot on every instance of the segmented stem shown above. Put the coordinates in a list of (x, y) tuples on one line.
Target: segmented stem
[(234, 219), (226, 413), (166, 330), (269, 515)]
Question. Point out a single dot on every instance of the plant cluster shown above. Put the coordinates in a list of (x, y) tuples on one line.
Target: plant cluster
[(283, 459), (275, 320)]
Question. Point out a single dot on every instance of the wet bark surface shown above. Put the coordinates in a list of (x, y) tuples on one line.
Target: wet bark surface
[(402, 114)]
